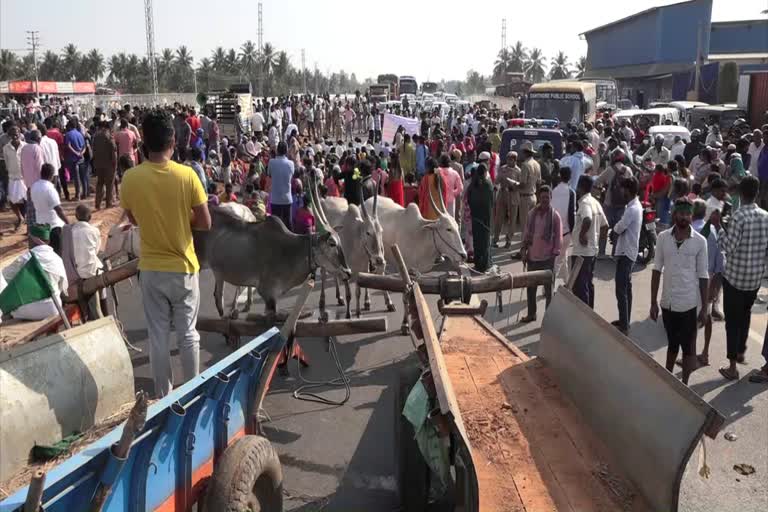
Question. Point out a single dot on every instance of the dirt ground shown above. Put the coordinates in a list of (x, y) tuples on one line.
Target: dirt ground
[(14, 242)]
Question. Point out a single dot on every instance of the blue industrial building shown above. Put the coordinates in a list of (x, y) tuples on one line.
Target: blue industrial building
[(652, 53)]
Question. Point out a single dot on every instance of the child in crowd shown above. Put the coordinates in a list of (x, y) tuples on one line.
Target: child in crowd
[(228, 195), (304, 221)]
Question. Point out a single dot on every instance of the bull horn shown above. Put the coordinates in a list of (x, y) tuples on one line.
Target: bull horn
[(439, 181), (363, 208), (318, 204), (376, 197)]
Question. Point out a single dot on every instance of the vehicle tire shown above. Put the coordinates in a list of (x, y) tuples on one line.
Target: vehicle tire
[(247, 477), (411, 469)]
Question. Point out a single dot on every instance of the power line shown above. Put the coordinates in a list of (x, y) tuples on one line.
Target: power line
[(150, 29), (33, 39)]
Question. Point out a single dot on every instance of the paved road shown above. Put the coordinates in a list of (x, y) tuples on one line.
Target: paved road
[(341, 458)]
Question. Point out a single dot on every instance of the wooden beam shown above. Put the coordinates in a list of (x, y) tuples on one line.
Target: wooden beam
[(482, 284), (91, 285), (303, 329)]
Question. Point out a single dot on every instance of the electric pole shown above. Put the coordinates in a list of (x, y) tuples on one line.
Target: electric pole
[(150, 29), (260, 34), (304, 70), (33, 39)]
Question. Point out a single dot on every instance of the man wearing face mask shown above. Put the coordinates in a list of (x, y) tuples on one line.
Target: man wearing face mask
[(681, 256), (614, 203)]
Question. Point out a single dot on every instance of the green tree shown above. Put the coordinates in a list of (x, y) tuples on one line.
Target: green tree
[(94, 66), (70, 61), (581, 66), (219, 59), (249, 55), (559, 68), (534, 68), (501, 66), (8, 63), (51, 68), (203, 74), (475, 82), (518, 58), (165, 69)]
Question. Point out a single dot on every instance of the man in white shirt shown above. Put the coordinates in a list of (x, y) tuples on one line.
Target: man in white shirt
[(755, 147), (589, 220), (658, 153), (627, 241), (54, 270), (716, 200), (678, 148), (257, 123), (47, 206), (564, 202), (593, 136), (681, 254), (17, 190), (50, 154)]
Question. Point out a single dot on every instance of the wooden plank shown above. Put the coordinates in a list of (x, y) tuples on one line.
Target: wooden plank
[(16, 332), (506, 444), (543, 429), (497, 489)]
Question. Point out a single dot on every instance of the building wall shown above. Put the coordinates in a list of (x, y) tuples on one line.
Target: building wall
[(664, 35), (627, 43), (739, 37)]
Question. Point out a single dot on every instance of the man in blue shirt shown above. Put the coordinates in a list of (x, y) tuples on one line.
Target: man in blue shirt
[(421, 157), (74, 148), (281, 170)]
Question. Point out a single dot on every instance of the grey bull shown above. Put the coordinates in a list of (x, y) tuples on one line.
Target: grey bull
[(265, 256)]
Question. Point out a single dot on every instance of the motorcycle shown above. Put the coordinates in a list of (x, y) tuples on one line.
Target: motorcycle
[(647, 244)]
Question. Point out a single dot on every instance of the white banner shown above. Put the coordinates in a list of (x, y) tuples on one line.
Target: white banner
[(392, 122)]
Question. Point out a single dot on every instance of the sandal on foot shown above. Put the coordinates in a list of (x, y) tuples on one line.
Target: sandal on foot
[(726, 373), (760, 377), (703, 361)]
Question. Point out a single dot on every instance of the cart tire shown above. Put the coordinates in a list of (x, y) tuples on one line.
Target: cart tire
[(412, 470), (248, 477)]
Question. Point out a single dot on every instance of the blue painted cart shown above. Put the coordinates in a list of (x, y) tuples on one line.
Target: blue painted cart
[(198, 446)]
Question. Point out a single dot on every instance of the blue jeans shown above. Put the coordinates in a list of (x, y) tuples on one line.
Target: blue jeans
[(624, 290), (663, 210), (584, 287), (81, 177)]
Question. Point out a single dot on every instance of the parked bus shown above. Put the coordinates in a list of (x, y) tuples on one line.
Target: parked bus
[(607, 90), (428, 88), (408, 85), (393, 81), (565, 100)]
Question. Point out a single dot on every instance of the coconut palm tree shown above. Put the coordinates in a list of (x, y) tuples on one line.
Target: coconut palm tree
[(132, 70), (268, 58), (8, 62), (475, 82), (25, 68), (51, 67), (218, 59), (559, 68), (70, 61), (581, 66), (501, 66), (117, 70), (94, 65), (249, 55), (518, 58), (203, 73), (534, 67), (183, 57)]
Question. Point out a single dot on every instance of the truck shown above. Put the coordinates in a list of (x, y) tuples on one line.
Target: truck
[(408, 85), (224, 104), (394, 84), (378, 93)]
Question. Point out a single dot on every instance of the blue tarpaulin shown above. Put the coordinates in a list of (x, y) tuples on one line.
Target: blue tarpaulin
[(684, 81)]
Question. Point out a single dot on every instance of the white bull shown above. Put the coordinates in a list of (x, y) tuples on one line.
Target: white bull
[(422, 242), (361, 239)]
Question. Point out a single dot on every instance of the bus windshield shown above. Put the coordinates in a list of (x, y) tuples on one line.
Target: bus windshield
[(565, 107), (408, 86)]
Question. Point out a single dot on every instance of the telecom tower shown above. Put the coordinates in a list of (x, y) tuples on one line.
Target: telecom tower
[(503, 33), (260, 34), (150, 28)]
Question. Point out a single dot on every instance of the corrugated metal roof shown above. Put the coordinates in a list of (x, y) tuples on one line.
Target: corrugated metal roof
[(636, 15)]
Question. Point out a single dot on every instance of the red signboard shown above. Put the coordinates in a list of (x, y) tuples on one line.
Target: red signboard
[(28, 87)]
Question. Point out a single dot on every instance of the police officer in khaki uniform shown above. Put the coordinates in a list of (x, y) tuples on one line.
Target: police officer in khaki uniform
[(507, 199), (530, 178)]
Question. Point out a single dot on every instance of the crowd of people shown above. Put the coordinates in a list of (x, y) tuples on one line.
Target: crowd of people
[(165, 165)]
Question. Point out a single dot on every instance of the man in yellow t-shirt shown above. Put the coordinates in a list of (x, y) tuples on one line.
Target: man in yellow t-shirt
[(167, 201)]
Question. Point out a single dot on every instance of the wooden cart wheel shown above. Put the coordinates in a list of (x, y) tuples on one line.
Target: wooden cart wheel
[(247, 477), (412, 471)]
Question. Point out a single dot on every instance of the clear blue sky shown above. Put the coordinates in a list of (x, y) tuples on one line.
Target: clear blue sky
[(367, 38)]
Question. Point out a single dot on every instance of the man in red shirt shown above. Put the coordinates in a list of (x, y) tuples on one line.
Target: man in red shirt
[(193, 121), (126, 141)]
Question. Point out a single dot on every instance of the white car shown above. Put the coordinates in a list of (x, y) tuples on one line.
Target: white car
[(670, 132)]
